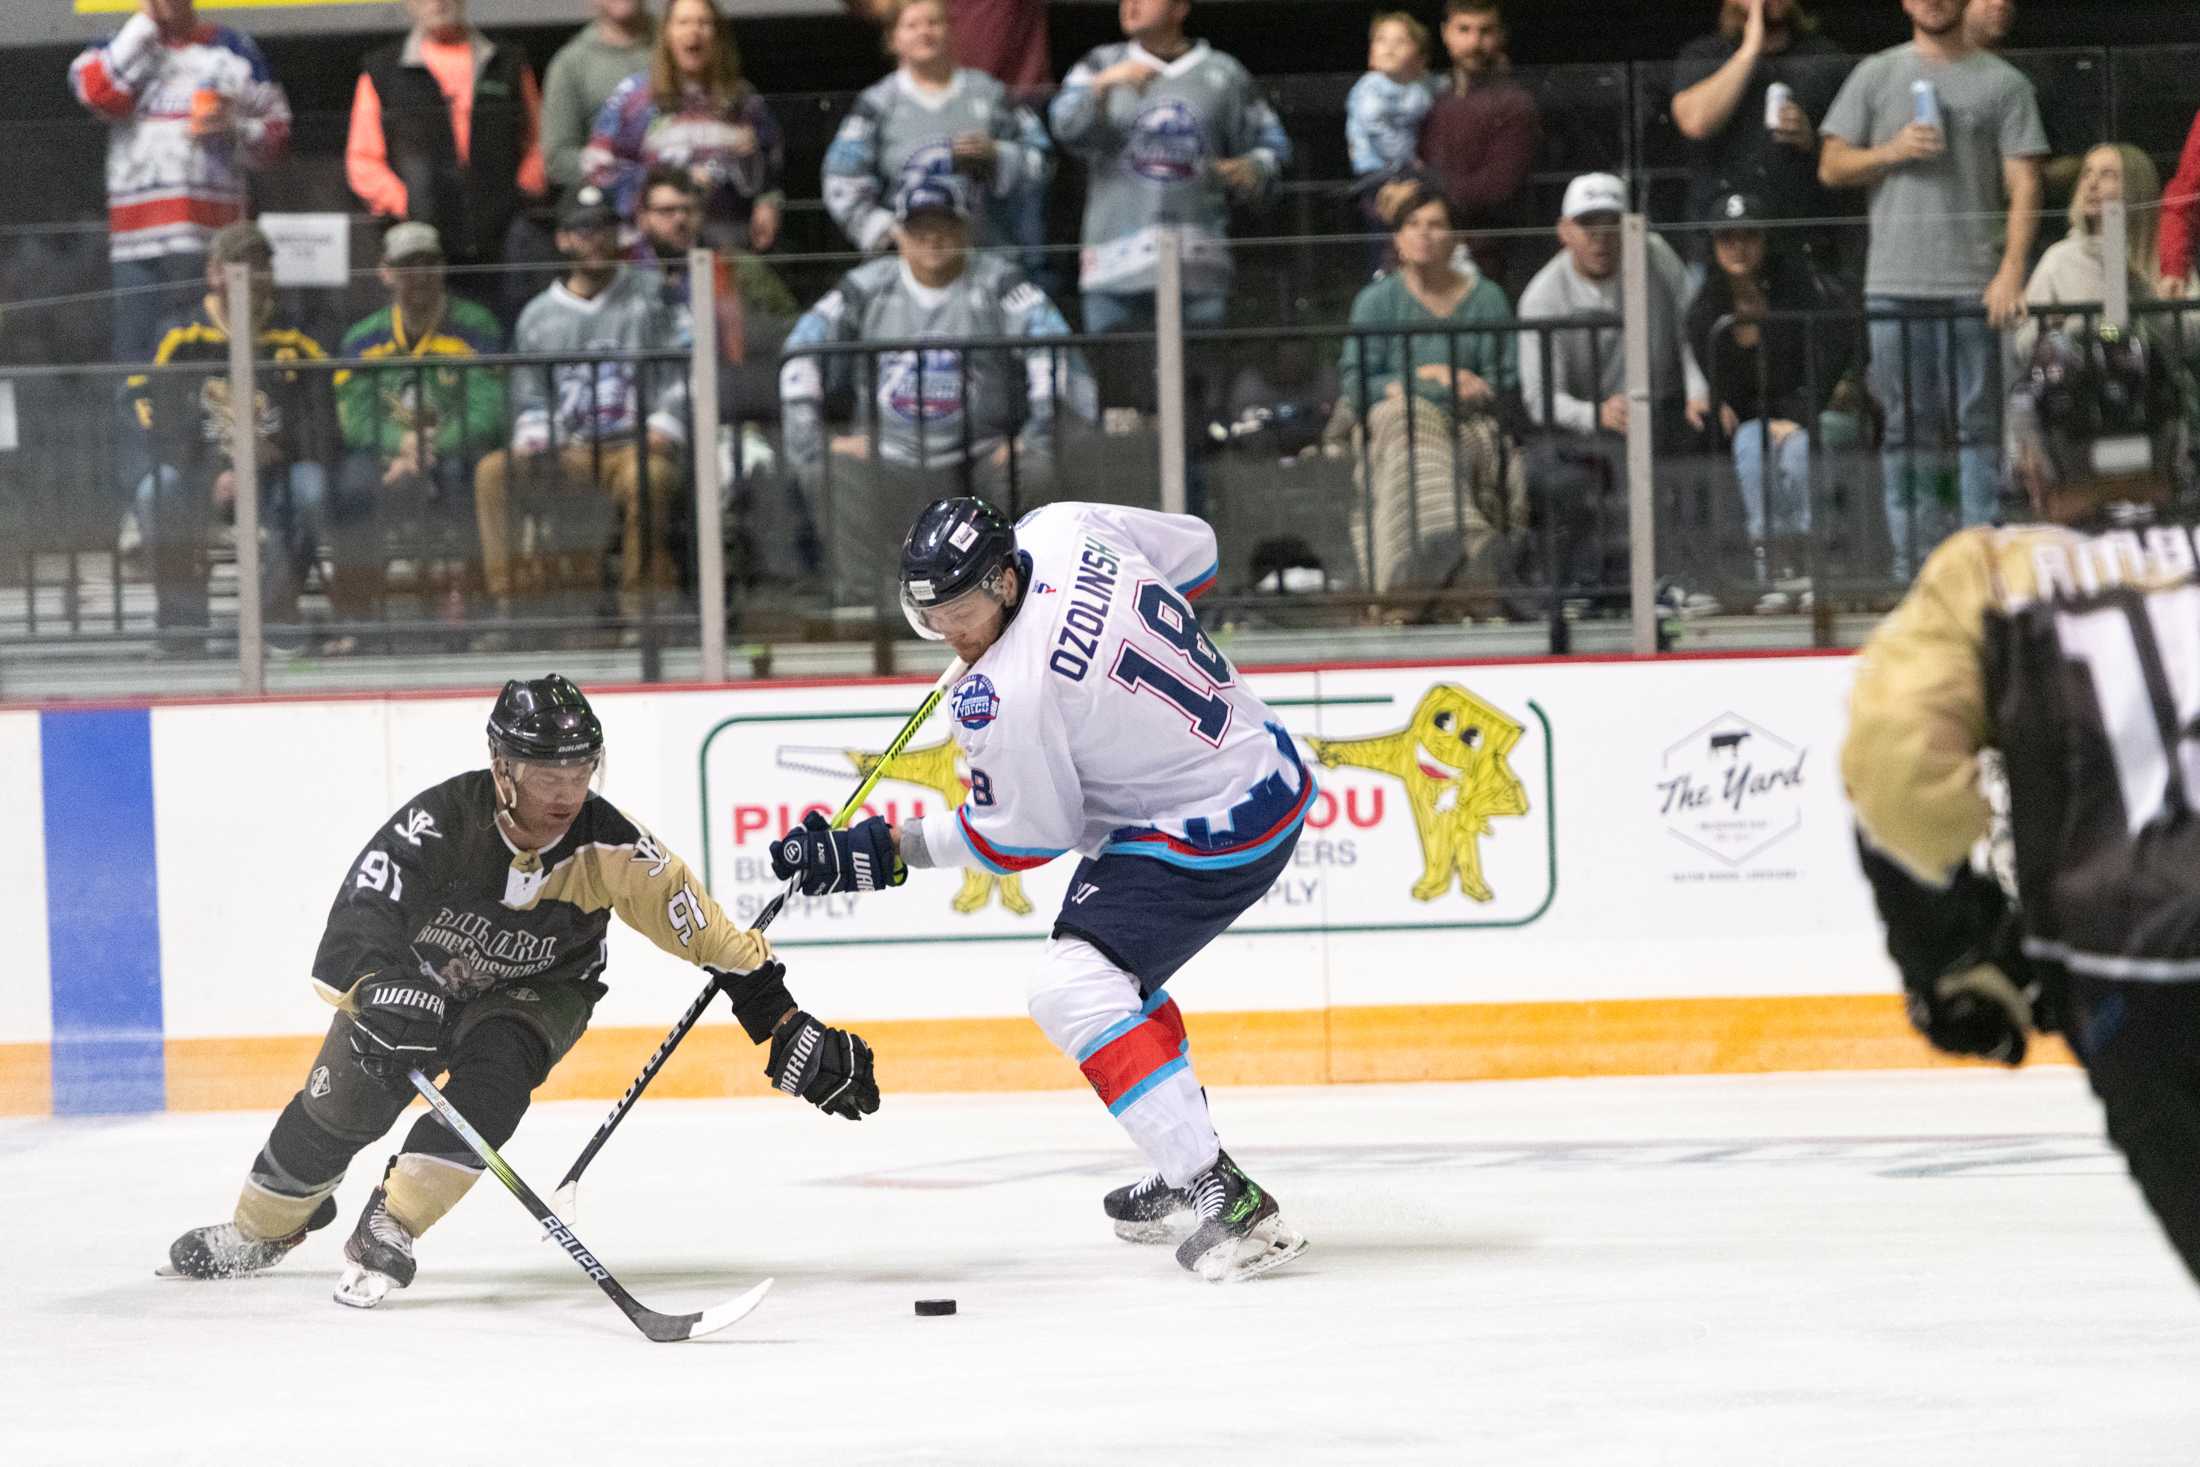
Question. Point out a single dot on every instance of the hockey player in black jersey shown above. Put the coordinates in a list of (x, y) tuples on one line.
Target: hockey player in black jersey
[(468, 939), (2070, 651)]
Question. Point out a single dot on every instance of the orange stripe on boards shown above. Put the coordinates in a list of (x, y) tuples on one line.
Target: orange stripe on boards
[(1662, 1036), (26, 1080), (1507, 1041)]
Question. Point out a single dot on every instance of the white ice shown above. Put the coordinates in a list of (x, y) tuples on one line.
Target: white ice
[(1944, 1268)]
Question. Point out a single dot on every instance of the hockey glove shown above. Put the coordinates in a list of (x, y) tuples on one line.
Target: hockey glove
[(822, 859), (1973, 1010), (398, 1024), (830, 1068)]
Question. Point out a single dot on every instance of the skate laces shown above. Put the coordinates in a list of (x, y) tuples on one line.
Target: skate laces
[(1152, 1182), (388, 1231), (1207, 1194)]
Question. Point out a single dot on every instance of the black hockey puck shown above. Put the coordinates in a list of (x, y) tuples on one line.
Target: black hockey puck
[(935, 1306)]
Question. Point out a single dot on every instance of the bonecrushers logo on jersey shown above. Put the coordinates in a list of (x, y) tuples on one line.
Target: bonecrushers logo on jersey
[(1435, 809)]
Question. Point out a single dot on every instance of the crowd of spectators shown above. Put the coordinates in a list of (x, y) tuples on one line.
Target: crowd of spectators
[(1471, 396)]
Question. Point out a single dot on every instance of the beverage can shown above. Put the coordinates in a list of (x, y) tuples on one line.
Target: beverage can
[(1924, 103), (1777, 96)]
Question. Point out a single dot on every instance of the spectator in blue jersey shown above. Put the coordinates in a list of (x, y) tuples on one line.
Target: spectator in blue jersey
[(934, 118), (926, 423), (1383, 111), (413, 428), (1171, 131)]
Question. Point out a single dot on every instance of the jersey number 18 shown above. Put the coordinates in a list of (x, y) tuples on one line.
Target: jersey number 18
[(1170, 618)]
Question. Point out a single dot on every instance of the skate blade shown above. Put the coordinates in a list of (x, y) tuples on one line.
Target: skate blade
[(363, 1288), (1269, 1245)]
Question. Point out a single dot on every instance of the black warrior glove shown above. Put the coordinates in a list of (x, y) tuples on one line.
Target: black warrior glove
[(860, 858), (1967, 984), (830, 1068), (397, 1025)]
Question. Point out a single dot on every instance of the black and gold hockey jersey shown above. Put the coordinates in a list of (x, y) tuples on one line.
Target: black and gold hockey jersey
[(439, 891), (2077, 657)]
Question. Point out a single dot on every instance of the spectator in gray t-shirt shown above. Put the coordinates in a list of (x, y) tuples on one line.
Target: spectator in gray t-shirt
[(1938, 240)]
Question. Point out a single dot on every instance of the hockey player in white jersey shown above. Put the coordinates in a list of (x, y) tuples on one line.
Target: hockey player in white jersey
[(1098, 718)]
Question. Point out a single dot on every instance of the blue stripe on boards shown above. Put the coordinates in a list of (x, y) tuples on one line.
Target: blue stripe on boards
[(102, 913)]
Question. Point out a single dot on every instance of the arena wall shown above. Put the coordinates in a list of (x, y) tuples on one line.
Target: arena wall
[(1635, 868)]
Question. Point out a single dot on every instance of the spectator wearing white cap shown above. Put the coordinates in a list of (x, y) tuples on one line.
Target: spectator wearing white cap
[(413, 427), (1574, 378)]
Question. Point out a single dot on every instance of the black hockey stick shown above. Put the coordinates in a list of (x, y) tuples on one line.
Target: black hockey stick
[(569, 1187), (663, 1328)]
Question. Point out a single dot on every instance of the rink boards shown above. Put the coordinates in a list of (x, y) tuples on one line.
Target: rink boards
[(1513, 869)]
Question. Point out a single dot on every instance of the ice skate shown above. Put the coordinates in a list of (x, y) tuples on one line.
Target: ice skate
[(223, 1251), (380, 1253), (1148, 1210), (1241, 1232)]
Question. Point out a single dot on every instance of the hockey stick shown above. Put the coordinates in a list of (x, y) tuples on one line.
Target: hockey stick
[(663, 1328), (569, 1188)]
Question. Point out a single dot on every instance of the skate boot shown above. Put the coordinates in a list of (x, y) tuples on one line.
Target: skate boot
[(1144, 1211), (380, 1252), (1241, 1233), (222, 1251)]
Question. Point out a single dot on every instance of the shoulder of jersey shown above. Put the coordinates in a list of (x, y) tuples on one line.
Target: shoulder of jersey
[(603, 823), (873, 276)]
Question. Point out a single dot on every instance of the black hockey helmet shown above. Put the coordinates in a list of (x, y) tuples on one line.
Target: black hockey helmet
[(545, 720), (957, 547), (2101, 405)]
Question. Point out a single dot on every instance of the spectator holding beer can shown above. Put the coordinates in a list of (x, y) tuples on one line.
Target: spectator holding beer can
[(1766, 59), (1940, 247)]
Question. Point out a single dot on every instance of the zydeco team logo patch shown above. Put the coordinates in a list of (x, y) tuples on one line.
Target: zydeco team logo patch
[(1166, 144), (974, 701)]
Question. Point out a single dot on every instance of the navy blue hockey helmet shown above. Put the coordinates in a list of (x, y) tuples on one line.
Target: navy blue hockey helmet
[(956, 548), (545, 720)]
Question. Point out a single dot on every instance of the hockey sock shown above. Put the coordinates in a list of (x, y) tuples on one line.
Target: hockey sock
[(301, 1163), (493, 1075), (1132, 1050)]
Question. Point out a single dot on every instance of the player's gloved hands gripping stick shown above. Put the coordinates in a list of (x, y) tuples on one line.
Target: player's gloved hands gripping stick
[(830, 1068), (822, 859), (398, 1025)]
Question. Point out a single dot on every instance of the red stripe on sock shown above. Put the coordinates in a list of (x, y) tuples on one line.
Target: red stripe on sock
[(1123, 1062)]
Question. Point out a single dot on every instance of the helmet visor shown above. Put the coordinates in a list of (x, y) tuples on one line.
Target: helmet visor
[(935, 621)]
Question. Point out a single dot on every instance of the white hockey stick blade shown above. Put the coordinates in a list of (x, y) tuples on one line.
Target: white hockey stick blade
[(733, 1312)]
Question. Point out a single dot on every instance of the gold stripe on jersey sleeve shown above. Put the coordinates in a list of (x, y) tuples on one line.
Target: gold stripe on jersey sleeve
[(1917, 715), (653, 891)]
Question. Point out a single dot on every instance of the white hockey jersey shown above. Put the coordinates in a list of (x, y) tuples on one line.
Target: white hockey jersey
[(1105, 721)]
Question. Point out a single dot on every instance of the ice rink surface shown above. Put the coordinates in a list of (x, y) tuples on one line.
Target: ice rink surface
[(1945, 1268)]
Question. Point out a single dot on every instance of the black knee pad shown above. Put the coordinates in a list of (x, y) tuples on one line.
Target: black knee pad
[(302, 1155), (493, 1074)]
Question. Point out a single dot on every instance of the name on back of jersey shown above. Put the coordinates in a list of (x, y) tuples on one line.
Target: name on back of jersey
[(2075, 569), (1077, 640)]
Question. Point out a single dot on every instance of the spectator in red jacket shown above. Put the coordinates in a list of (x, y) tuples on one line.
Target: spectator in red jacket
[(2181, 220), (446, 129), (191, 108), (1480, 139)]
